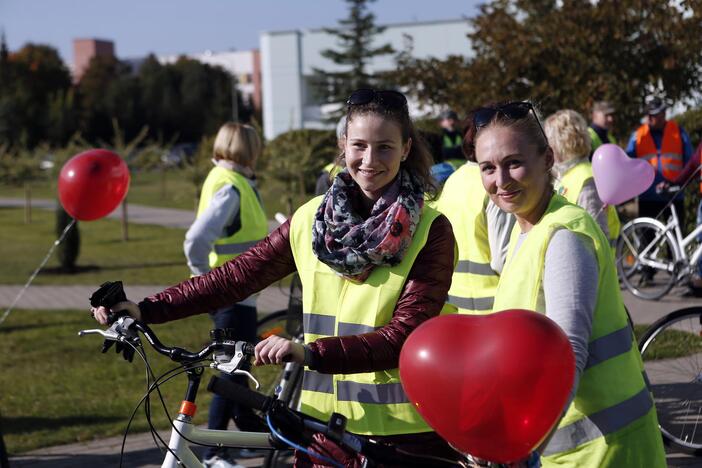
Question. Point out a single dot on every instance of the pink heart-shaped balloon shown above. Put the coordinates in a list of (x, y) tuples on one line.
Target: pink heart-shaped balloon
[(618, 177), (491, 385)]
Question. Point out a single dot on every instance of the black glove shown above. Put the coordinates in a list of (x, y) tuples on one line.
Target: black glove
[(109, 294)]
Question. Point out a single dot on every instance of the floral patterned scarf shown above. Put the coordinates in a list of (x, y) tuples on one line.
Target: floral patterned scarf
[(352, 245)]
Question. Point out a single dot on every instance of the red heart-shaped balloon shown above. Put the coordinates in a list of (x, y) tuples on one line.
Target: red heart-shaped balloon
[(491, 385)]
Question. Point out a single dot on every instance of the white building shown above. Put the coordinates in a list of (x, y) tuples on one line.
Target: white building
[(288, 57), (244, 65)]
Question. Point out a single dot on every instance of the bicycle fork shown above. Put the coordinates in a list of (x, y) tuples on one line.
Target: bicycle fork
[(183, 427)]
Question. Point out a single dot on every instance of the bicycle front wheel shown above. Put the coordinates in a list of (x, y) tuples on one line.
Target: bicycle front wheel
[(672, 352), (646, 259)]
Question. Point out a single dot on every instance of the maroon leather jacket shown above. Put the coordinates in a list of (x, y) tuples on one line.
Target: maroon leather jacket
[(271, 259)]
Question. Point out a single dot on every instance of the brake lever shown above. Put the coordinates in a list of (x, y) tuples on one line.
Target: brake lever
[(229, 364), (120, 332)]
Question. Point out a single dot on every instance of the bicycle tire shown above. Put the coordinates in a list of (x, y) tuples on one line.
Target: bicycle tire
[(4, 457), (647, 272), (672, 352)]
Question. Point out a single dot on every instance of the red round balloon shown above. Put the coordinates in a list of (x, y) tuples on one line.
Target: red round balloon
[(92, 184), (492, 385)]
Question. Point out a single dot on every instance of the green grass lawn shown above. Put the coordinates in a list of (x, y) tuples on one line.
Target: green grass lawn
[(58, 388), (153, 255)]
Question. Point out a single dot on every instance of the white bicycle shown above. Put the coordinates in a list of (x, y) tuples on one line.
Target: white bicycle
[(652, 257), (287, 428)]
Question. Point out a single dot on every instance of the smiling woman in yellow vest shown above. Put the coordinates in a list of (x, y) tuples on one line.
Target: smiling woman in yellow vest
[(559, 264), (374, 262), (230, 219), (568, 136)]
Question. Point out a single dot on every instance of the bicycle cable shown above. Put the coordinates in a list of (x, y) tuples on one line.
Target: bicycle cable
[(299, 447), (142, 354)]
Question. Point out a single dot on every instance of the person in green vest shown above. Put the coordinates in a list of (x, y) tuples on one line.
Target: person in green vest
[(601, 125), (230, 219), (451, 140), (568, 136), (559, 264), (374, 261)]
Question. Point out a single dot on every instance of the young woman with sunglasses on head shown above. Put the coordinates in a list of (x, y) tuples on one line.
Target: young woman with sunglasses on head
[(374, 263), (559, 263)]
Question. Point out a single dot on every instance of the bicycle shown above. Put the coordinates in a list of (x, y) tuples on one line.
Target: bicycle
[(288, 428), (672, 352), (652, 257), (4, 462)]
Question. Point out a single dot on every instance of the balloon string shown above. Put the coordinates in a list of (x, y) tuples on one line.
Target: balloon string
[(36, 272)]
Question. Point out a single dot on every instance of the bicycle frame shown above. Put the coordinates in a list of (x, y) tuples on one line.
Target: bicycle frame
[(184, 432), (681, 243)]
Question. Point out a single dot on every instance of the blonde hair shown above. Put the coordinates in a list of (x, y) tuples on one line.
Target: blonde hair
[(568, 135), (237, 142)]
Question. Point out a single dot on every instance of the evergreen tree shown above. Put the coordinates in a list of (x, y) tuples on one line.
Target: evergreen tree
[(355, 37)]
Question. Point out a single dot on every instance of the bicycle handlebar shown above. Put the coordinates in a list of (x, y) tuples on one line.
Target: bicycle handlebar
[(125, 328)]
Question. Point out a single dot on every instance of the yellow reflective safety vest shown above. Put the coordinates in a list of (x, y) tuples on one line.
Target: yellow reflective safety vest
[(612, 421), (463, 202), (373, 402), (597, 141), (249, 227), (571, 184)]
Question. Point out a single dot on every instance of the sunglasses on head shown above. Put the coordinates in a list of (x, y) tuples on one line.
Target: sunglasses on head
[(388, 98), (514, 110)]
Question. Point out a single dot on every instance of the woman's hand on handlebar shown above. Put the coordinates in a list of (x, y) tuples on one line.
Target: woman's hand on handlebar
[(278, 350), (102, 314)]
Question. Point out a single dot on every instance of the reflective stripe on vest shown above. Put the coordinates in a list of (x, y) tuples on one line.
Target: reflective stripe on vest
[(354, 391), (463, 202), (612, 399), (373, 402), (571, 184), (669, 155), (317, 324), (600, 424), (254, 224), (233, 249)]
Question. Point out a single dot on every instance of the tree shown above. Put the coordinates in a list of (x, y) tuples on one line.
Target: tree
[(29, 80), (355, 37), (567, 54)]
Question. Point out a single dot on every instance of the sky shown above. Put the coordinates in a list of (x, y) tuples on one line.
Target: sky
[(138, 27)]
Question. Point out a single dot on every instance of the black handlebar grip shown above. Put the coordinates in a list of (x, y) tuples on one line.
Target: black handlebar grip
[(239, 394), (248, 349)]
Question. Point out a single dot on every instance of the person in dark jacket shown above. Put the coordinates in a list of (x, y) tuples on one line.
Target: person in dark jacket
[(379, 262)]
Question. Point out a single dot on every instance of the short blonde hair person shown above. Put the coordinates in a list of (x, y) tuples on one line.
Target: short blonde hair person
[(568, 136), (237, 142)]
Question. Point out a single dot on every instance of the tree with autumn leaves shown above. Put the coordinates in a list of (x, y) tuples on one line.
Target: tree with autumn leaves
[(567, 54)]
